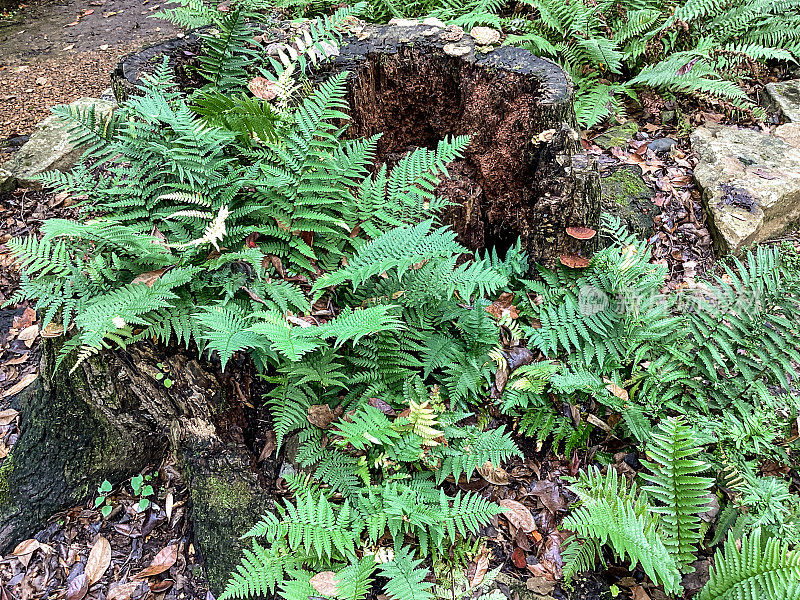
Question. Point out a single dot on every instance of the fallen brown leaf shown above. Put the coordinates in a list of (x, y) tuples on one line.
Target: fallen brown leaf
[(325, 583), (77, 587), (518, 558), (481, 567), (26, 547), (495, 475), (639, 593), (518, 515), (149, 278), (321, 415), (24, 382), (98, 561), (7, 416), (540, 585), (269, 446), (161, 562), (122, 591)]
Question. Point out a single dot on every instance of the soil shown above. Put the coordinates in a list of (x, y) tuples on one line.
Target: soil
[(54, 52)]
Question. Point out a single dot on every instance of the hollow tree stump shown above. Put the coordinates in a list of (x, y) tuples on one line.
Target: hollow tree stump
[(111, 418), (523, 175)]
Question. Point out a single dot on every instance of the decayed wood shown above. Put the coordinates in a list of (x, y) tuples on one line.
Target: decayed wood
[(523, 175), (111, 418)]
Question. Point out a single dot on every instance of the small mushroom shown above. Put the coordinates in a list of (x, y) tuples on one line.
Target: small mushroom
[(574, 261), (404, 22), (434, 22), (453, 50), (453, 33), (581, 233), (485, 36)]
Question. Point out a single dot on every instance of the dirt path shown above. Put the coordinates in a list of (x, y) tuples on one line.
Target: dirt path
[(56, 52)]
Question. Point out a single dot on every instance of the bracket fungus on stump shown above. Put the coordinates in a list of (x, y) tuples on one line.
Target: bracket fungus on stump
[(522, 176)]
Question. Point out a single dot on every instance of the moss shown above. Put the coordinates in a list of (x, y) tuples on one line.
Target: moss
[(5, 474), (623, 185), (223, 495)]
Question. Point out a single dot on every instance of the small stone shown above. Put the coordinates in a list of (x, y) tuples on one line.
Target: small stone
[(484, 36), (661, 145), (784, 96), (434, 22), (453, 33), (453, 50), (404, 22), (41, 81)]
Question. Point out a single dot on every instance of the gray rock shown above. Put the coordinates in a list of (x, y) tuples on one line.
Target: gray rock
[(7, 181), (50, 148), (750, 182), (661, 144), (108, 95), (784, 96), (617, 135), (626, 196)]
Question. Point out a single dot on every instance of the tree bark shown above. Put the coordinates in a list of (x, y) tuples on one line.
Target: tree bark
[(113, 417), (523, 175)]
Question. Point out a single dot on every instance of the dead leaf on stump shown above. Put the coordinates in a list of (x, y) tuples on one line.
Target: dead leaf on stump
[(321, 415), (325, 583)]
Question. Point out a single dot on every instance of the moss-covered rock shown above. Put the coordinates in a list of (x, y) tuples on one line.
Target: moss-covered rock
[(617, 135), (627, 196)]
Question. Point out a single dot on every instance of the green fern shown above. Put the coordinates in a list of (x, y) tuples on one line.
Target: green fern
[(758, 570), (683, 496)]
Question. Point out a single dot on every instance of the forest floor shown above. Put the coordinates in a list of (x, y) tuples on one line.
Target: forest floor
[(56, 51)]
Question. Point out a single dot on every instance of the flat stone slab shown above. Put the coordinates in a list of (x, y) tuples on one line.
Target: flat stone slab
[(750, 182), (784, 96), (49, 149)]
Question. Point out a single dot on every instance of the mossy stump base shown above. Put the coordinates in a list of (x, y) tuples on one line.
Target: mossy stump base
[(523, 174), (112, 417)]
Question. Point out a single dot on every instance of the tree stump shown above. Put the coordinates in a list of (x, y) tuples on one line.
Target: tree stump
[(523, 175), (111, 418)]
